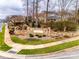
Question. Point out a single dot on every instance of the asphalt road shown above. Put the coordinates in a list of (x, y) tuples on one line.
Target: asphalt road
[(73, 57), (61, 55), (64, 54), (5, 57), (72, 54)]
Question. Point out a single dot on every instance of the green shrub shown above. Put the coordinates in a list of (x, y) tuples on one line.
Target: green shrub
[(64, 26), (39, 36), (66, 36), (44, 35), (31, 35)]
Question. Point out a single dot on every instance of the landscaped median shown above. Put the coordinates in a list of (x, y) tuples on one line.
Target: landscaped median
[(33, 41), (3, 46), (66, 44), (50, 49)]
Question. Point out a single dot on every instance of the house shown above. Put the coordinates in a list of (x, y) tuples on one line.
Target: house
[(51, 15)]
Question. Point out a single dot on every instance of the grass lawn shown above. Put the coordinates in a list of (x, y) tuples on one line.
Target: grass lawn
[(3, 46), (50, 49), (31, 42)]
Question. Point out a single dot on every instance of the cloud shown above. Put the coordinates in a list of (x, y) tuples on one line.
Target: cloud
[(11, 7), (16, 7), (11, 3)]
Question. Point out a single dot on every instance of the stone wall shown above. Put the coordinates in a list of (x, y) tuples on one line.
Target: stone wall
[(45, 31)]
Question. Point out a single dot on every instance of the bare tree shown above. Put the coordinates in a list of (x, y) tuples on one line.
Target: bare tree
[(63, 7)]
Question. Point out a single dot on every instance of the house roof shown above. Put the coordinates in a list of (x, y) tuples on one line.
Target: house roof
[(53, 17), (17, 18)]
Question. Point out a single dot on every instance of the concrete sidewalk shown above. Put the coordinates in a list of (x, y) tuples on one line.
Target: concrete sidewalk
[(14, 50), (70, 52)]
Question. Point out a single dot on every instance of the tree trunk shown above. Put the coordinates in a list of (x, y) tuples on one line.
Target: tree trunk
[(33, 9)]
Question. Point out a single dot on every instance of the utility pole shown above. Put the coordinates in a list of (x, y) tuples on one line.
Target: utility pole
[(27, 9), (76, 10), (47, 8)]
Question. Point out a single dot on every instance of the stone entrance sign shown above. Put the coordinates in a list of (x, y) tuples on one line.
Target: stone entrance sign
[(38, 31)]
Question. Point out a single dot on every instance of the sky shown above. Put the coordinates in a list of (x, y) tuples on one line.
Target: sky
[(54, 5), (10, 7), (16, 7)]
